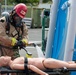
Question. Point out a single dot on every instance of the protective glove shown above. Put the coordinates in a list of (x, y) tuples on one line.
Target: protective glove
[(25, 42), (19, 44), (22, 43), (14, 41)]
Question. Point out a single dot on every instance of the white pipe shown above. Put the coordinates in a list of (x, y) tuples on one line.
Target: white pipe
[(53, 16), (68, 55)]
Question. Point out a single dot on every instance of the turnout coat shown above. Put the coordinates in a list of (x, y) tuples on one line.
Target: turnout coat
[(5, 39)]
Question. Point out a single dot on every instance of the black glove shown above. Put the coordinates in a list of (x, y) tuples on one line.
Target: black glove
[(19, 44)]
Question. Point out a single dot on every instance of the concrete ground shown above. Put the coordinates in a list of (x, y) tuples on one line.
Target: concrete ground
[(34, 35)]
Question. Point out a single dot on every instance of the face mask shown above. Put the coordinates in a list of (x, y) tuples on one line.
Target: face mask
[(18, 20)]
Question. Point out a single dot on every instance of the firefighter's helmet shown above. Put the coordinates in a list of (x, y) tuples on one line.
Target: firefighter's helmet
[(21, 9)]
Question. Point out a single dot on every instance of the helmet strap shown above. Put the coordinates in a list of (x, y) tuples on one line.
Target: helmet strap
[(13, 12)]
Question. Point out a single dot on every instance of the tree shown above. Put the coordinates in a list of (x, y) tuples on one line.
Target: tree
[(45, 1), (27, 1), (21, 1)]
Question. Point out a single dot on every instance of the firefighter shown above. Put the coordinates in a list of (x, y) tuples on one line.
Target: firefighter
[(13, 31)]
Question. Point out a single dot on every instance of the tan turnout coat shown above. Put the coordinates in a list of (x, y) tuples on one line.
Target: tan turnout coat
[(6, 40)]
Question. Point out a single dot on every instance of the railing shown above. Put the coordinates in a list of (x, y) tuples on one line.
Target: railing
[(28, 22)]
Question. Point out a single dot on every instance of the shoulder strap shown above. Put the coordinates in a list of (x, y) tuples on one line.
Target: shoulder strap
[(7, 25)]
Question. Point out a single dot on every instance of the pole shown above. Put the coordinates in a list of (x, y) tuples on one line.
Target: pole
[(70, 39), (43, 33), (53, 16), (0, 9), (40, 1), (5, 5)]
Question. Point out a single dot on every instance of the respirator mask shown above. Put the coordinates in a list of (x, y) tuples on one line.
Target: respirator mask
[(17, 20)]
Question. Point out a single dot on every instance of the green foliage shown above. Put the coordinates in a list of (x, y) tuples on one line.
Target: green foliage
[(45, 1), (21, 1), (10, 2), (26, 1)]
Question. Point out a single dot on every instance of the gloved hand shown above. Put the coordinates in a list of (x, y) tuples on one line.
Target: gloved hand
[(25, 42), (19, 44), (22, 43), (14, 41)]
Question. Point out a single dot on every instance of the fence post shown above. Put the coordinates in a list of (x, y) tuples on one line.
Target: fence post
[(0, 9), (43, 33)]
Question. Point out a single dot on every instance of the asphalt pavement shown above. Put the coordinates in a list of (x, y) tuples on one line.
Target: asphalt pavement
[(35, 35)]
